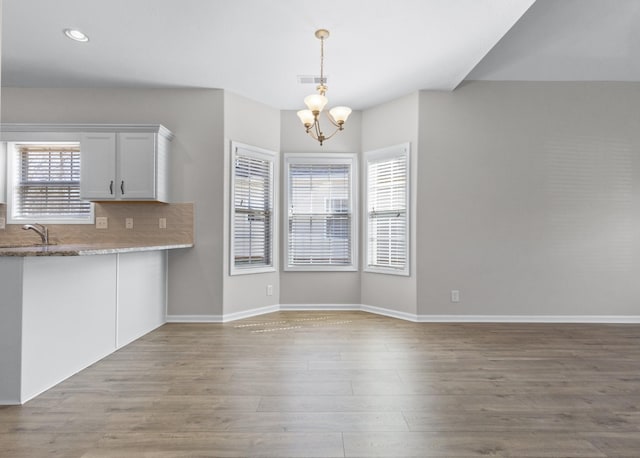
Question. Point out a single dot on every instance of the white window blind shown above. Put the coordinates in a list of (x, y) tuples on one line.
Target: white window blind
[(252, 197), (387, 210), (320, 214), (46, 184)]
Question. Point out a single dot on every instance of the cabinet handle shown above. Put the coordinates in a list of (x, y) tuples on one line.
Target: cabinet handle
[(111, 187), (122, 187)]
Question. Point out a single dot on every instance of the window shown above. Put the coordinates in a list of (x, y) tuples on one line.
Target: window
[(387, 214), (252, 221), (45, 184), (337, 226), (320, 201)]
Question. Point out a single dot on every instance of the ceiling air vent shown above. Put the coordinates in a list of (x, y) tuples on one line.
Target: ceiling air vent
[(310, 79)]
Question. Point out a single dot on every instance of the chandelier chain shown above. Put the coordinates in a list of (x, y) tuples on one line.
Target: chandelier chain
[(322, 60)]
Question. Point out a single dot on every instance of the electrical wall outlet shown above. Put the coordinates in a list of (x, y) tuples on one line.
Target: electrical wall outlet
[(162, 223), (128, 223), (455, 295), (269, 290), (3, 223), (102, 222)]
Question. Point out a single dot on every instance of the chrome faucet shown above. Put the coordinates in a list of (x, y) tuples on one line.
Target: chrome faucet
[(40, 229)]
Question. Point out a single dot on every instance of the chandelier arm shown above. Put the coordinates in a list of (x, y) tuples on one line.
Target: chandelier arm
[(334, 132), (311, 131), (318, 129), (311, 127), (332, 121)]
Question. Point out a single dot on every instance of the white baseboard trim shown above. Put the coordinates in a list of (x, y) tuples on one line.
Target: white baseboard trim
[(249, 313), (222, 318), (319, 307), (194, 319), (389, 312), (602, 319)]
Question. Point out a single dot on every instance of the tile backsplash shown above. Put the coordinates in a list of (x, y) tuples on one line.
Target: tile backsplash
[(146, 228)]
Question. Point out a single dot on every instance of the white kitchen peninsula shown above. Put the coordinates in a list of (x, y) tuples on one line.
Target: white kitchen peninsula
[(65, 307)]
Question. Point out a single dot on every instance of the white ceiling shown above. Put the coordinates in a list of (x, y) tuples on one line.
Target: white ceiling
[(378, 49)]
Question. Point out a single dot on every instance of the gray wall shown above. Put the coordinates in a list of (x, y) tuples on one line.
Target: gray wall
[(387, 125), (2, 154), (528, 194), (529, 199), (255, 124), (317, 287), (0, 57), (195, 116)]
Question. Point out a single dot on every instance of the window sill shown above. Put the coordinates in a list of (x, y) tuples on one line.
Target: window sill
[(381, 270), (49, 221), (250, 270), (320, 269)]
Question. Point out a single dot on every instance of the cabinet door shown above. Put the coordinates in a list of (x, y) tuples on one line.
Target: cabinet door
[(98, 166), (137, 166)]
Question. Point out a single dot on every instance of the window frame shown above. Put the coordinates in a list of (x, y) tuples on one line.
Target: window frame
[(13, 169), (391, 152), (322, 158), (272, 157)]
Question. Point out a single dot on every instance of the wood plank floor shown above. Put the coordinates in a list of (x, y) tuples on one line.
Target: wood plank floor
[(345, 384)]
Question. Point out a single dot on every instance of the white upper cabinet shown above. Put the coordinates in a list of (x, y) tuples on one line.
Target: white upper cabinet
[(128, 165), (98, 166), (118, 161), (136, 158)]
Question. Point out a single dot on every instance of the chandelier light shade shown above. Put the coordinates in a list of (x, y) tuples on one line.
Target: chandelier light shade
[(340, 114), (315, 103), (306, 116)]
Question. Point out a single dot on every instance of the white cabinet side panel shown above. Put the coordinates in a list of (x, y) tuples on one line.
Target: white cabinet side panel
[(3, 172), (141, 294), (10, 327), (163, 190), (69, 317)]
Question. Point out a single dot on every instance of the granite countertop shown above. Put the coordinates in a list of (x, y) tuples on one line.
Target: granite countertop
[(84, 250)]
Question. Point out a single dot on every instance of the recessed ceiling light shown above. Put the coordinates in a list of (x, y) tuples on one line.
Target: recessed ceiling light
[(76, 35)]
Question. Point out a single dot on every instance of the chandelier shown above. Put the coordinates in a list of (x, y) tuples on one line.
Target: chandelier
[(316, 102)]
